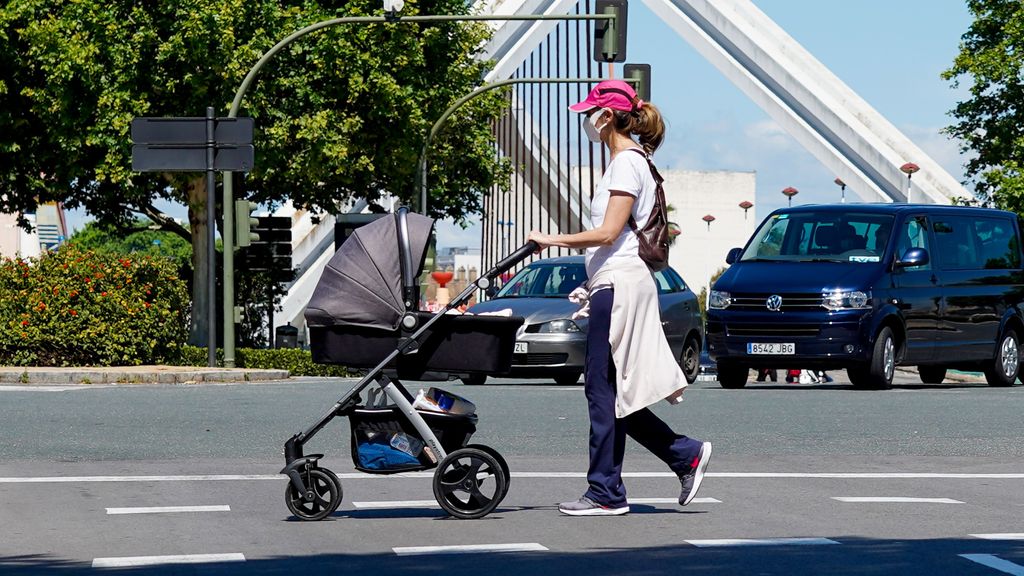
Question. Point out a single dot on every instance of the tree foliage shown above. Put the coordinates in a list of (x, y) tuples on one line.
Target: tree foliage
[(990, 124), (341, 114)]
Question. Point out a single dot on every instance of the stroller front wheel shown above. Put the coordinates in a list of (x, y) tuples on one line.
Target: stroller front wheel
[(322, 496), (461, 483)]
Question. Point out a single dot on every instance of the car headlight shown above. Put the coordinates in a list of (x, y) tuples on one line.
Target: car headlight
[(719, 299), (558, 327), (840, 300)]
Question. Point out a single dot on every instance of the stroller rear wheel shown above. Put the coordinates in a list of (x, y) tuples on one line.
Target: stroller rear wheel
[(322, 497), (461, 487)]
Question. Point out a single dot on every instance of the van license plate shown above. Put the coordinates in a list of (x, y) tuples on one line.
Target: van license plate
[(777, 348), (521, 347)]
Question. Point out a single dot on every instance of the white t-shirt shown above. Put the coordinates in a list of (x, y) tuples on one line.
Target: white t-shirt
[(628, 172)]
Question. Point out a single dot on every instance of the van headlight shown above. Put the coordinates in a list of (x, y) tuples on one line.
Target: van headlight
[(719, 300), (558, 327), (841, 300)]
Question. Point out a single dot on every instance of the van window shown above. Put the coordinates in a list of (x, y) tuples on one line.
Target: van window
[(664, 282), (821, 236), (914, 234), (956, 243), (997, 243)]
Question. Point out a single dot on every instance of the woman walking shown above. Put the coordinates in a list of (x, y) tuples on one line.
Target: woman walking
[(629, 365)]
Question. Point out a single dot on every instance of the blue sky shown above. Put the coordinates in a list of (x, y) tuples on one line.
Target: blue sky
[(890, 52)]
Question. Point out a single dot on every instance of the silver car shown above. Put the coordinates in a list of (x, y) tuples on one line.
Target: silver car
[(551, 344)]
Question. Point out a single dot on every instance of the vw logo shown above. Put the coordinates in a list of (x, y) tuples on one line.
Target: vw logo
[(774, 303)]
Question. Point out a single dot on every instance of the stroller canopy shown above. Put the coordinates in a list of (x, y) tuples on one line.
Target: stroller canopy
[(362, 284)]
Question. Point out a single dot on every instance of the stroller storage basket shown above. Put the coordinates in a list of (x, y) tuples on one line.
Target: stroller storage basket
[(384, 441), (455, 343)]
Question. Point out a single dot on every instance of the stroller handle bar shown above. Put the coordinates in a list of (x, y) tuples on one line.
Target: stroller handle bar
[(512, 259)]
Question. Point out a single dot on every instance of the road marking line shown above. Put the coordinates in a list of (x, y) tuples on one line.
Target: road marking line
[(162, 509), (157, 560), (1004, 536), (672, 501), (760, 542), (995, 562), (398, 504), (470, 549), (548, 475), (894, 500)]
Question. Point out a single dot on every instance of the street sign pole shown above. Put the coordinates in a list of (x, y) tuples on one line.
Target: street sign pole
[(211, 247), (196, 144)]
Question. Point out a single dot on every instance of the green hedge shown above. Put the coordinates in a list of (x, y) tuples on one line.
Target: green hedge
[(75, 307), (297, 362)]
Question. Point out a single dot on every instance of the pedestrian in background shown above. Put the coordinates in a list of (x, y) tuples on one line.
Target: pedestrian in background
[(629, 365)]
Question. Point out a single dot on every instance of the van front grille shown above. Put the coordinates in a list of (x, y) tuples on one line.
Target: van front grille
[(774, 331), (790, 302)]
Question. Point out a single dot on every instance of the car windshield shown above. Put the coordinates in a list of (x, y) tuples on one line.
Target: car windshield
[(544, 281), (821, 237)]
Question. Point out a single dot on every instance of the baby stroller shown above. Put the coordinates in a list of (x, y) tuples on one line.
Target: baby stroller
[(363, 314)]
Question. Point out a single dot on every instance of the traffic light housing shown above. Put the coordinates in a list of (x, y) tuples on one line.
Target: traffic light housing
[(610, 35), (642, 74), (244, 223), (271, 247)]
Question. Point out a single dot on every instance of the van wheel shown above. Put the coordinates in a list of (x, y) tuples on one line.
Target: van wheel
[(474, 379), (689, 359), (878, 373), (732, 376), (932, 374), (1002, 371)]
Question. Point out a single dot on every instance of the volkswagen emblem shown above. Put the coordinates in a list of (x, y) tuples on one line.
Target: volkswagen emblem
[(774, 303)]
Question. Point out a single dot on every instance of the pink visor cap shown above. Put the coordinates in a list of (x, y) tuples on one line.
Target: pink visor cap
[(614, 94)]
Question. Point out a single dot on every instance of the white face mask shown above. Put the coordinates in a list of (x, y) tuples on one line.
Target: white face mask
[(590, 126)]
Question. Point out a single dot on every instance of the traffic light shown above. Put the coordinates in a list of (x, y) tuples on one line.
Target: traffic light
[(271, 247), (610, 35), (642, 74), (244, 223)]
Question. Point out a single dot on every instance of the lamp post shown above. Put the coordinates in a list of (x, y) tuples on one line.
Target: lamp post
[(708, 219), (746, 205), (789, 192), (842, 188), (909, 168)]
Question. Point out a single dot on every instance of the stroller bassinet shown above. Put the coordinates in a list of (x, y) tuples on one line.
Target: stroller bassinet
[(363, 314), (365, 306)]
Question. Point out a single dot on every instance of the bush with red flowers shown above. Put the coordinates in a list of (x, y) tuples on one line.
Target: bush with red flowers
[(75, 307)]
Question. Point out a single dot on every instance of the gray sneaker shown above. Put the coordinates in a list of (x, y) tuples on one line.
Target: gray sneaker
[(587, 507), (692, 479)]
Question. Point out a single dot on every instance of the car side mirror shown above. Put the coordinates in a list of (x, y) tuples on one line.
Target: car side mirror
[(733, 256), (491, 291), (913, 257)]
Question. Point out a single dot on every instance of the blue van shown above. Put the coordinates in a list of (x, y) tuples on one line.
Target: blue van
[(867, 287)]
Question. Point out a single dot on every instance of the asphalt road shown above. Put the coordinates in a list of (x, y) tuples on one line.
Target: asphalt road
[(916, 480)]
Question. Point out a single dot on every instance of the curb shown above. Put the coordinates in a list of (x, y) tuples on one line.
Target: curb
[(134, 375)]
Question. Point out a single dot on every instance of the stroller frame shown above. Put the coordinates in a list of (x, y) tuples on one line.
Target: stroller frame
[(314, 492)]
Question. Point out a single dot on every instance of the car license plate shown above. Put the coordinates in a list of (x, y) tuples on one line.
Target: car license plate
[(521, 347), (778, 348)]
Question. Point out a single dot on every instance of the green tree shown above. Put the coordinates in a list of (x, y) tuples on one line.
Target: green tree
[(990, 124), (340, 115), (144, 238)]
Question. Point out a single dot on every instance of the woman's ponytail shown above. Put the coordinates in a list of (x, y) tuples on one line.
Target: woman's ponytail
[(646, 123)]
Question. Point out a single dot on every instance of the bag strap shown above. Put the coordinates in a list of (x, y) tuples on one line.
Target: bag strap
[(657, 182)]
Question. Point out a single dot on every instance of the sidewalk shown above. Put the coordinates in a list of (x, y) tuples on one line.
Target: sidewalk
[(952, 375), (134, 375)]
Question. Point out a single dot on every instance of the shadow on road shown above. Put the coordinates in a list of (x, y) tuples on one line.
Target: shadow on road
[(853, 555)]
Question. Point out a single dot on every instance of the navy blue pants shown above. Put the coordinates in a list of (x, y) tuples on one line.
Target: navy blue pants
[(608, 433)]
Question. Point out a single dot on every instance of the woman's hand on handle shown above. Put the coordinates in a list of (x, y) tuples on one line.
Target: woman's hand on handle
[(542, 240)]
